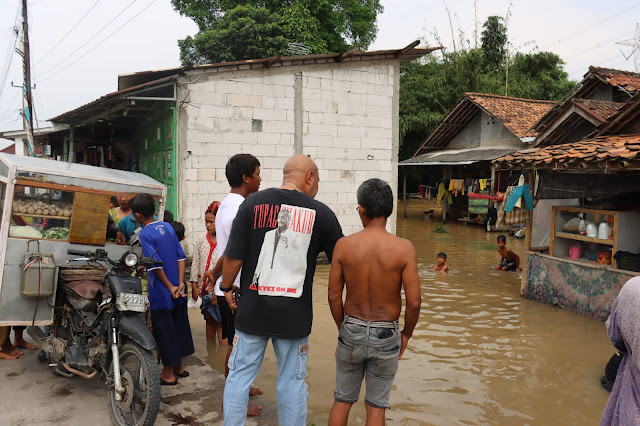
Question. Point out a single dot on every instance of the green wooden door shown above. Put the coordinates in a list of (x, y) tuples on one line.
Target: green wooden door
[(157, 148)]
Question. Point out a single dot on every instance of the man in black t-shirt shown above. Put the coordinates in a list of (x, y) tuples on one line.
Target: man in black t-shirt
[(277, 252)]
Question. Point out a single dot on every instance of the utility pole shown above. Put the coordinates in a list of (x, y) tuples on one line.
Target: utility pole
[(27, 103)]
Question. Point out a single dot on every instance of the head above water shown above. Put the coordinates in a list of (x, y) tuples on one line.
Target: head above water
[(243, 170), (375, 199), (301, 172), (442, 255), (501, 241)]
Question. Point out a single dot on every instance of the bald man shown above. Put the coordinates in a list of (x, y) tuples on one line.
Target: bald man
[(283, 229)]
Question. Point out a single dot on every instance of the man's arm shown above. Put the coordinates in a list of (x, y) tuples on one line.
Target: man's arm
[(212, 275), (411, 284), (182, 291), (230, 269), (164, 280), (336, 286)]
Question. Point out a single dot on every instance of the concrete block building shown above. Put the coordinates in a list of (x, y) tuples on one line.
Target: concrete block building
[(180, 126)]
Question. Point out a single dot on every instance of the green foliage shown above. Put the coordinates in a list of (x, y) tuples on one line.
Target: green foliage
[(245, 29), (257, 27), (430, 88), (440, 228), (494, 42)]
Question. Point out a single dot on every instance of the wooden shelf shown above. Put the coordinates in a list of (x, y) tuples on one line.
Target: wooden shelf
[(41, 215), (583, 238)]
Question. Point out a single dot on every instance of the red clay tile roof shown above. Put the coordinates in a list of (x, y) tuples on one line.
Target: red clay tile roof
[(625, 79), (516, 114), (597, 150), (600, 109)]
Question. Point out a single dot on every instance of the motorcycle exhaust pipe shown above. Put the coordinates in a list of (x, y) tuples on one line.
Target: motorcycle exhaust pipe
[(39, 337)]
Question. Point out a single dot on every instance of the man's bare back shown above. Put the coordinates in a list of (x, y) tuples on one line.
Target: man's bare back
[(375, 266), (373, 262)]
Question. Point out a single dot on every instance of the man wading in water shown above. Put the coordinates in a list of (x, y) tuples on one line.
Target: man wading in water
[(375, 265)]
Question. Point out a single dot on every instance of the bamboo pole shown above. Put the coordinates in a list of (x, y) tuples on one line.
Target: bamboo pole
[(527, 241)]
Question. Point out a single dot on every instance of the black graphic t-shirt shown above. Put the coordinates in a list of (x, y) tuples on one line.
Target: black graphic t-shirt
[(278, 234)]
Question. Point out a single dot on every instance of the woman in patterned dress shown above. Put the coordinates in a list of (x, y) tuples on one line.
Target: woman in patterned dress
[(205, 257), (623, 327)]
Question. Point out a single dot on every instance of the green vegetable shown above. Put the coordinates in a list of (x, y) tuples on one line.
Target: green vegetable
[(56, 233)]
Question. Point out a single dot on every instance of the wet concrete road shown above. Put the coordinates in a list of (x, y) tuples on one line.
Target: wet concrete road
[(32, 395)]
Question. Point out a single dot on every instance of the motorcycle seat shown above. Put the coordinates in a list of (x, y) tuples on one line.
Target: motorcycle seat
[(86, 289)]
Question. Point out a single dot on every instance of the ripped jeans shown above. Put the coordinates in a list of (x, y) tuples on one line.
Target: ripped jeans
[(244, 365)]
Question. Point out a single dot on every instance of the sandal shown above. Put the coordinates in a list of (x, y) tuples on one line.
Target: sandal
[(184, 374), (165, 383)]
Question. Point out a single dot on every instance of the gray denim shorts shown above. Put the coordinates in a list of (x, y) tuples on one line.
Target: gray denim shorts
[(369, 352)]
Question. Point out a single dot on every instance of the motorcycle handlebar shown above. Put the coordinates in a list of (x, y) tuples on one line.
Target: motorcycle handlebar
[(149, 261)]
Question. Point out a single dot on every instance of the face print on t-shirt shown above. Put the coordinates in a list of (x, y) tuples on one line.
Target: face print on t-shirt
[(282, 263)]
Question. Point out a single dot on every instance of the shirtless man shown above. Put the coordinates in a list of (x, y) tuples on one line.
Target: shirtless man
[(375, 265), (509, 261)]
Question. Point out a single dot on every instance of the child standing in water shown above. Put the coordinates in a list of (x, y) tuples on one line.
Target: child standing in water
[(509, 260), (441, 263), (204, 259)]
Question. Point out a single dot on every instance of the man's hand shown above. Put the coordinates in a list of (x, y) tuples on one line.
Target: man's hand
[(231, 299), (195, 293), (405, 340), (209, 281), (120, 238), (175, 291), (182, 290)]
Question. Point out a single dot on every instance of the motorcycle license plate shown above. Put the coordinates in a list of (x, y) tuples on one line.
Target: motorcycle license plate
[(132, 302)]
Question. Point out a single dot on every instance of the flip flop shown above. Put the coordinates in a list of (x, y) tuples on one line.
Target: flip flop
[(165, 383), (184, 374)]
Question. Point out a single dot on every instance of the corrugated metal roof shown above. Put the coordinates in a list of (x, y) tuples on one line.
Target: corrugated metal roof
[(403, 55), (458, 156)]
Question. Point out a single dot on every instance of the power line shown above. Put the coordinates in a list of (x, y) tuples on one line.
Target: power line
[(68, 32), (92, 37), (105, 39), (13, 51)]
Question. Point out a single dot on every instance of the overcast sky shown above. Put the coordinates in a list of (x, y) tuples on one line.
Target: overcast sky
[(80, 69)]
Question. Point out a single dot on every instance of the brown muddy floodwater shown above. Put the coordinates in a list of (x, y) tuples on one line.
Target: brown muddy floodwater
[(481, 354)]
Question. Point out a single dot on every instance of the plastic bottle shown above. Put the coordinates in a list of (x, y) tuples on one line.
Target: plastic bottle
[(582, 228)]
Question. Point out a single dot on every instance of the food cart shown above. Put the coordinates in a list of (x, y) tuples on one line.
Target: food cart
[(49, 207)]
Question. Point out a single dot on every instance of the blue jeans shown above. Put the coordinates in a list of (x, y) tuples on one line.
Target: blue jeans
[(244, 365)]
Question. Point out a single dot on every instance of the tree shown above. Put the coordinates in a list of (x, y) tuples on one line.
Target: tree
[(268, 26), (494, 42), (429, 89)]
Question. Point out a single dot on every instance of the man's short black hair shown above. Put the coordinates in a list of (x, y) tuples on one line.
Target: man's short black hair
[(239, 165), (168, 216), (179, 228), (442, 255), (143, 204), (501, 238), (376, 197)]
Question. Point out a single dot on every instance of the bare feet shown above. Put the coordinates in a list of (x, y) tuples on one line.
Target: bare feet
[(254, 391), (8, 348), (253, 410), (25, 345), (4, 355)]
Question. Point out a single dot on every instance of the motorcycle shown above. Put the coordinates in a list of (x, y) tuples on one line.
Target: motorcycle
[(99, 328)]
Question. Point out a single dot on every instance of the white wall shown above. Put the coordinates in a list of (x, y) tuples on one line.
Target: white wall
[(349, 127)]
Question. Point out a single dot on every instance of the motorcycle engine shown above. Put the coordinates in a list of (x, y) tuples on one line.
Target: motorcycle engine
[(76, 354)]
